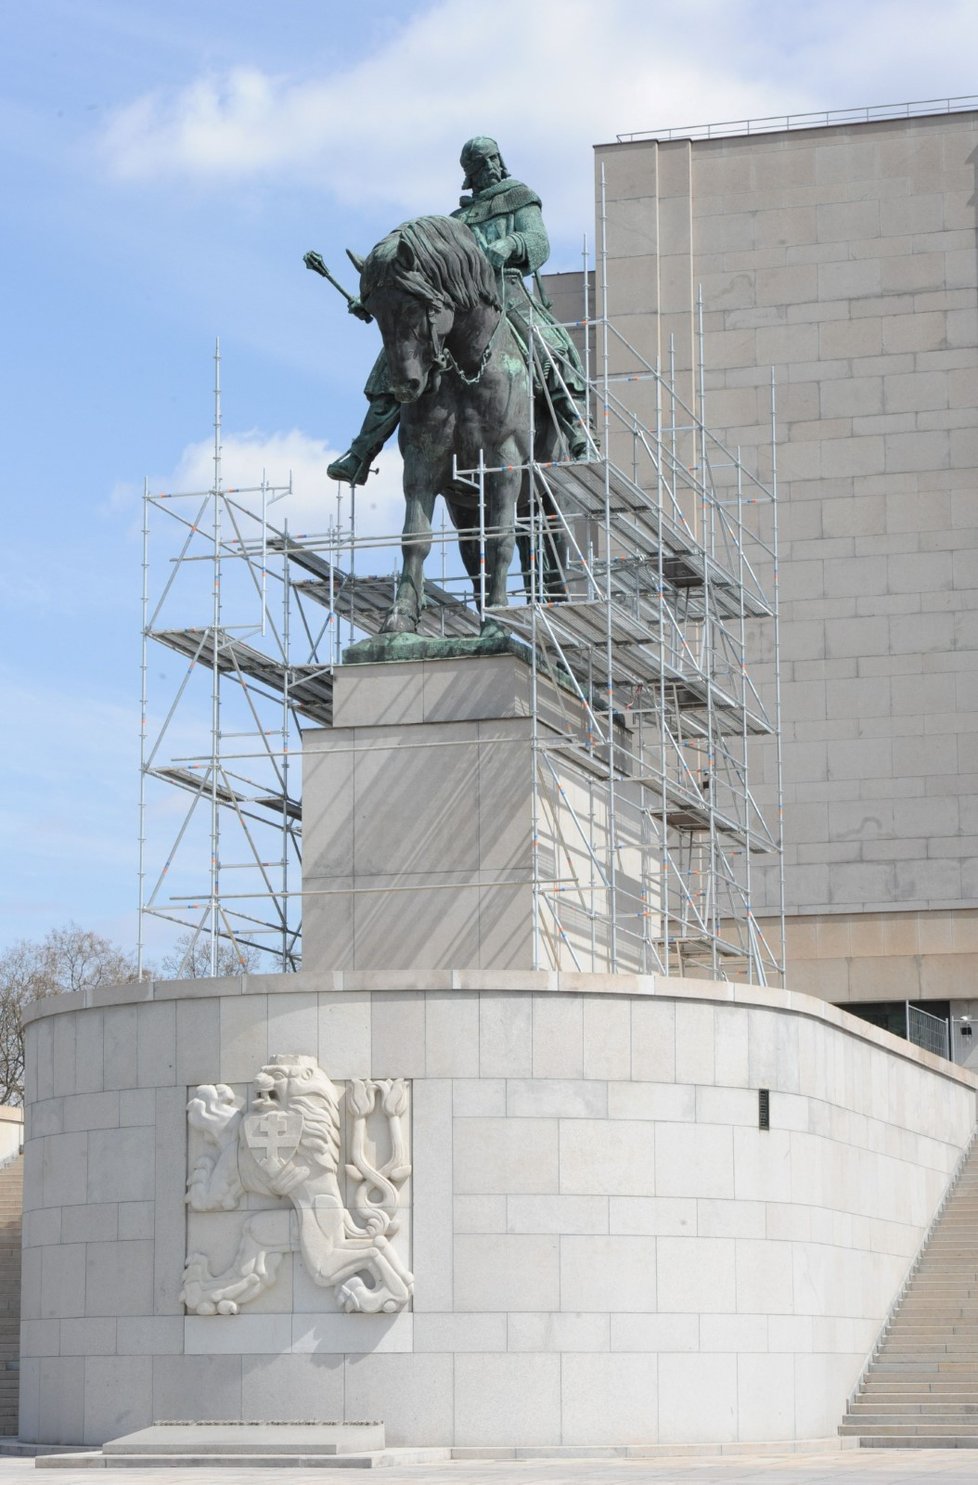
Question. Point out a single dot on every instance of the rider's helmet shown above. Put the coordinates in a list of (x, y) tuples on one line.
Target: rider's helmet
[(474, 151)]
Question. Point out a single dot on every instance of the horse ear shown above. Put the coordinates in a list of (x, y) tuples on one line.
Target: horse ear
[(405, 254), (355, 259)]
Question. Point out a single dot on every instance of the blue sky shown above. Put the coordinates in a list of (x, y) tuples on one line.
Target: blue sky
[(164, 167)]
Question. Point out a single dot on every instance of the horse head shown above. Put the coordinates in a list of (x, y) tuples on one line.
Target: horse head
[(420, 283)]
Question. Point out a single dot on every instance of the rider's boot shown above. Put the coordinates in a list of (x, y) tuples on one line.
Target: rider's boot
[(571, 422), (383, 416)]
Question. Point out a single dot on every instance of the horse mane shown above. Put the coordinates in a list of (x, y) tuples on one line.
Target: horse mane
[(437, 259)]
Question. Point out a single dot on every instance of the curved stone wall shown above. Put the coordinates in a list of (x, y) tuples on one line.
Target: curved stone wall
[(606, 1246)]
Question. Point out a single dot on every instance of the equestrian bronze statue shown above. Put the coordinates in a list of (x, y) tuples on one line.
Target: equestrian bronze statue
[(466, 351)]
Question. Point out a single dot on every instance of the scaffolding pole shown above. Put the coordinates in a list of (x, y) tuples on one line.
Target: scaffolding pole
[(645, 716)]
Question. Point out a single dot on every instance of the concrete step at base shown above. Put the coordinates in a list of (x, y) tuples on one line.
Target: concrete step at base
[(933, 1288), (951, 1441), (884, 1422), (953, 1307), (924, 1325), (938, 1313), (923, 1369), (905, 1379), (955, 1267), (913, 1430), (925, 1333), (962, 1347), (906, 1409), (913, 1346), (935, 1280), (938, 1386), (953, 1397)]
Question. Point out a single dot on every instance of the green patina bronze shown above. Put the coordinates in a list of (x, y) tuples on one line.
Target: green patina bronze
[(506, 219), (493, 640), (466, 352)]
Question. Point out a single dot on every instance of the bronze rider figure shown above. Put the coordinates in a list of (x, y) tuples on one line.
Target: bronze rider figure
[(507, 220)]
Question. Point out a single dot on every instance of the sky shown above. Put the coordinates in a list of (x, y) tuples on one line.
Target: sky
[(164, 166)]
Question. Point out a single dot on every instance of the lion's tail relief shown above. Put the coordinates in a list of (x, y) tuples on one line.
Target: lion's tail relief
[(374, 1200), (376, 1223)]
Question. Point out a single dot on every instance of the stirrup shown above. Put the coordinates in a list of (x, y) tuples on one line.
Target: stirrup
[(349, 469), (575, 437)]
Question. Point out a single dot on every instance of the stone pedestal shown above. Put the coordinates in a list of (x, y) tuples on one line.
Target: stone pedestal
[(606, 1248), (422, 1182), (416, 818), (420, 817)]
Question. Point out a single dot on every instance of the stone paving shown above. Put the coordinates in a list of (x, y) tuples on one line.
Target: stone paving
[(850, 1467)]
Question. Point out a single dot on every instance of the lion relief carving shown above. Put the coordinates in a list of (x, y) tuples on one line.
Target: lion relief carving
[(286, 1142)]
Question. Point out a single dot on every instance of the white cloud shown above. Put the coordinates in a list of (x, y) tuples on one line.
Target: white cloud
[(311, 507), (550, 79), (389, 128)]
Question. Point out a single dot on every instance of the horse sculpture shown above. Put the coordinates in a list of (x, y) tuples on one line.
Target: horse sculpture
[(463, 379)]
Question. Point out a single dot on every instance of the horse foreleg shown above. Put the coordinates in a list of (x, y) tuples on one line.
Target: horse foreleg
[(501, 513), (554, 550), (419, 497), (552, 537), (469, 545)]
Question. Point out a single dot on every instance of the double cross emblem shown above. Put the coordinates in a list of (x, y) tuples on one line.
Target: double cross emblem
[(273, 1138)]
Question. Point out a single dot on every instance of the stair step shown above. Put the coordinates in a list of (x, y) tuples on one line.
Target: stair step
[(903, 1408), (922, 1328), (917, 1303), (906, 1341), (921, 1389), (871, 1441), (928, 1367), (962, 1423), (917, 1392), (916, 1430), (936, 1351), (903, 1345)]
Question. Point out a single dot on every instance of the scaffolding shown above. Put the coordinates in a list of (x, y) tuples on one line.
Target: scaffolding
[(648, 831)]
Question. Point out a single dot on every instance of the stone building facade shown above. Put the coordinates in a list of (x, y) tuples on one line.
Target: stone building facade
[(616, 1195), (846, 259)]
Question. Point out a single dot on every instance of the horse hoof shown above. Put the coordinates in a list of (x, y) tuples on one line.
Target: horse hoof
[(398, 622)]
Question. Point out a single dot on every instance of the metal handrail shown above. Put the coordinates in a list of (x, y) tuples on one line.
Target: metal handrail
[(824, 119)]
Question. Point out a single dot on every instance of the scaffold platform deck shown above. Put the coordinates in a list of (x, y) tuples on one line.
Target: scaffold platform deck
[(650, 698), (308, 687), (365, 603)]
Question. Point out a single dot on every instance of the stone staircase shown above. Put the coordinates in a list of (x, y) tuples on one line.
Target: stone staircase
[(11, 1209), (920, 1391)]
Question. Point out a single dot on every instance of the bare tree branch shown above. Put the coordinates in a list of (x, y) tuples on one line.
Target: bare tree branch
[(66, 959)]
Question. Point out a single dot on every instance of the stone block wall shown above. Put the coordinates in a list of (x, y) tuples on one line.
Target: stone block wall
[(846, 258), (602, 1236)]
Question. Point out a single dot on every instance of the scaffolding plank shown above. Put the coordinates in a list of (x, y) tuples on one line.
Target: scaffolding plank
[(309, 688), (582, 630), (641, 525), (366, 602), (678, 807), (186, 778)]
